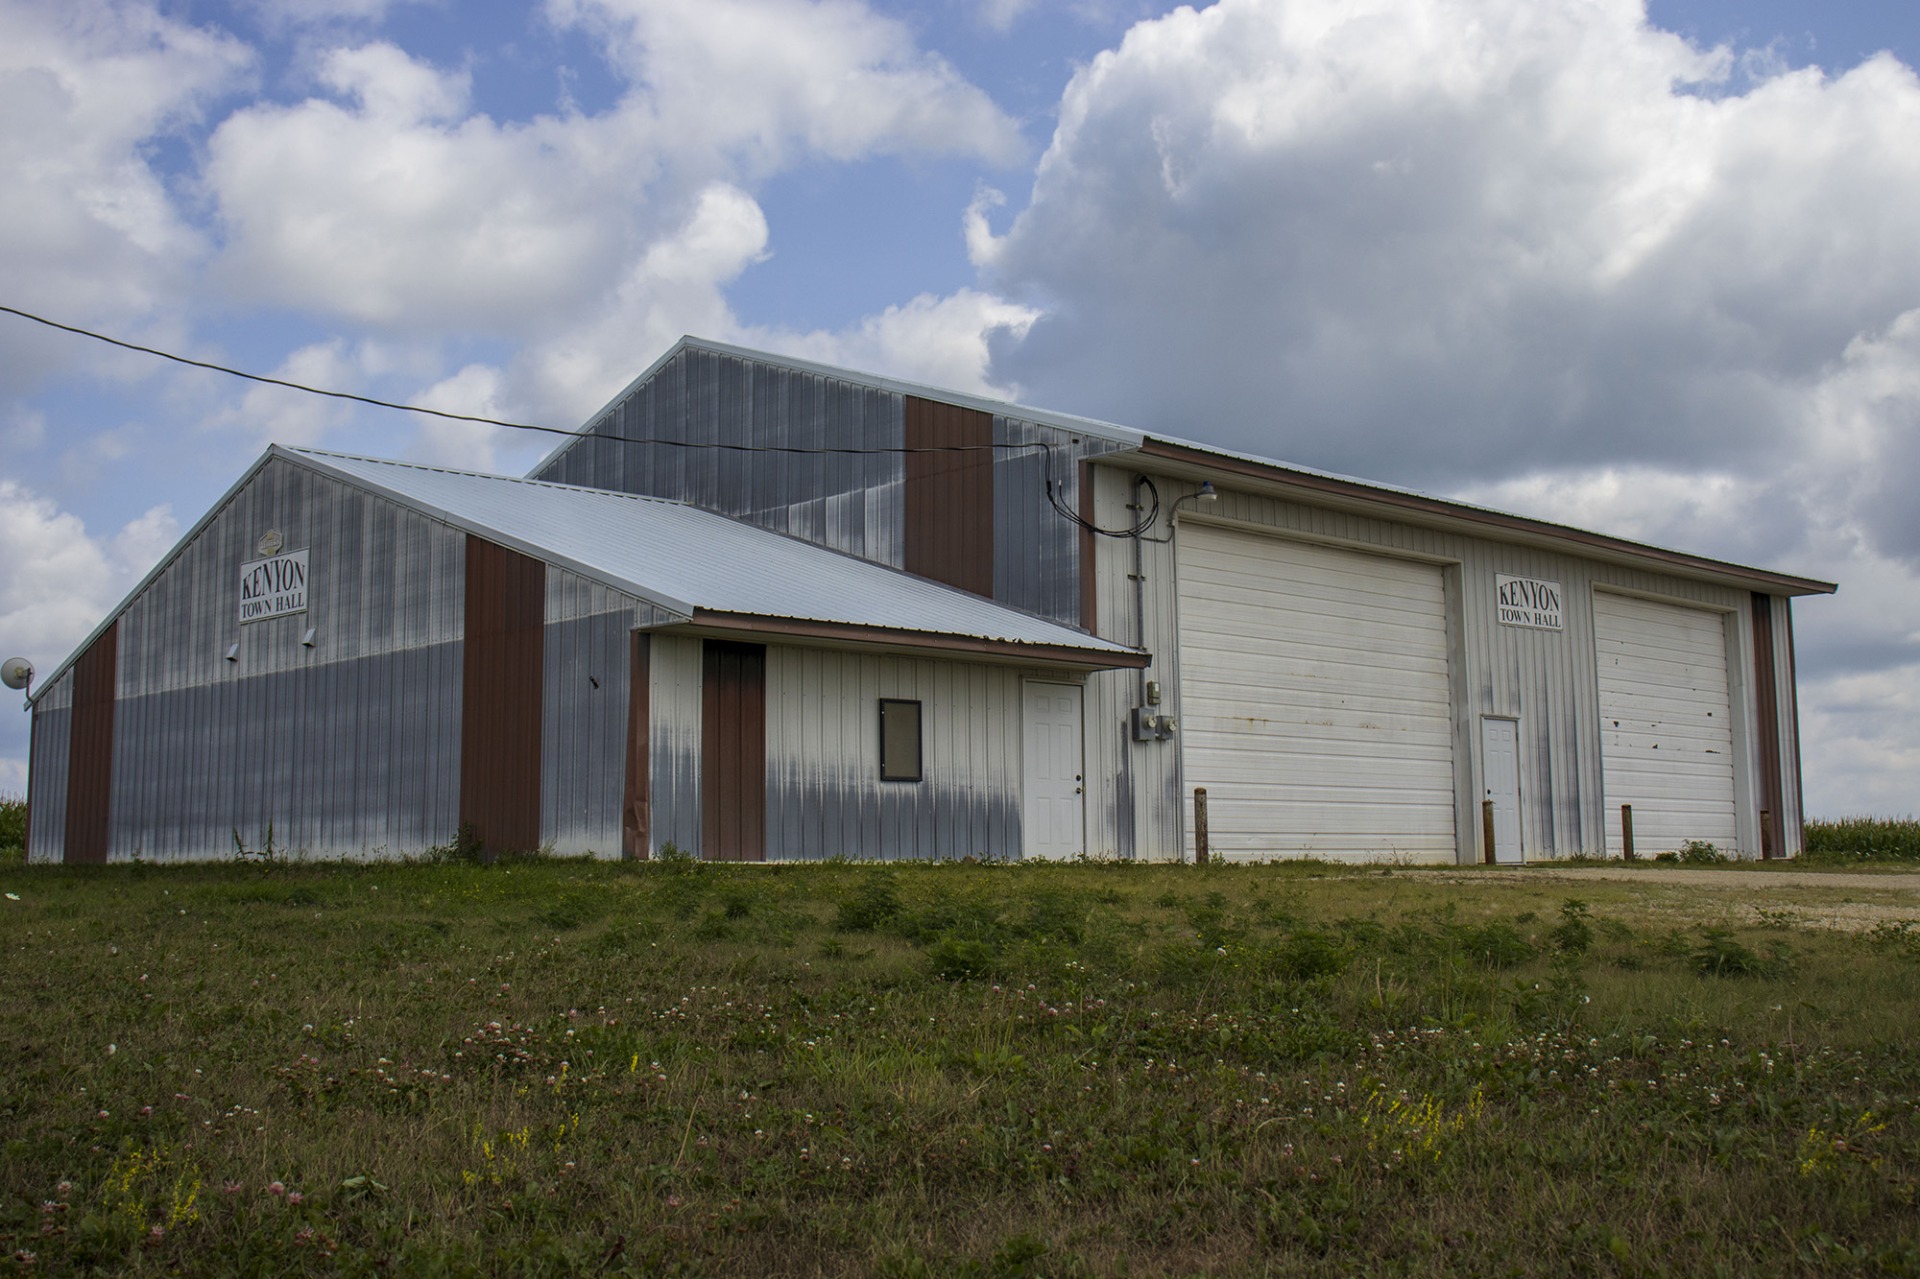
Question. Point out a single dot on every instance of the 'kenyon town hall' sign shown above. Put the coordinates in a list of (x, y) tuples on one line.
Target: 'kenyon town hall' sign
[(273, 587), (1526, 601)]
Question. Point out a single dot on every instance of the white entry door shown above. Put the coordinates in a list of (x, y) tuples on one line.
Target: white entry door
[(1055, 785), (1500, 755)]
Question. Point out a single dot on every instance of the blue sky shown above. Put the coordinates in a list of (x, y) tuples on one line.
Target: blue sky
[(1653, 271)]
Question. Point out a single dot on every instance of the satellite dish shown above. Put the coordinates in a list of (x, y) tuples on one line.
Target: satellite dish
[(16, 672)]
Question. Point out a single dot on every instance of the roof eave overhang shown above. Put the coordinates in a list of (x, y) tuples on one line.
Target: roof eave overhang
[(1327, 490), (886, 639)]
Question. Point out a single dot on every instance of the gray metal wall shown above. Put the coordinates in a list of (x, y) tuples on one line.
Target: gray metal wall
[(1547, 680), (674, 711), (851, 502), (824, 793), (583, 734), (345, 748), (47, 771), (1786, 699)]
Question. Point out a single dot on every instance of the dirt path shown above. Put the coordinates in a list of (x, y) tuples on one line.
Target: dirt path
[(1850, 901)]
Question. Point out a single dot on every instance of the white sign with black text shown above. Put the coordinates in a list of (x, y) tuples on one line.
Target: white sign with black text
[(1527, 601), (273, 587)]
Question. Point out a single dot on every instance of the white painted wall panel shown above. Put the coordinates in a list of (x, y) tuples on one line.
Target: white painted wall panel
[(1545, 680), (824, 793), (674, 711), (1315, 703), (1667, 742)]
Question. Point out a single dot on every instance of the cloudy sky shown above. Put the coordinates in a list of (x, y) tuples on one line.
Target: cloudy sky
[(1652, 269)]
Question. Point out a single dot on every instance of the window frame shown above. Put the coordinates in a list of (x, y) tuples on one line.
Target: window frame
[(918, 720)]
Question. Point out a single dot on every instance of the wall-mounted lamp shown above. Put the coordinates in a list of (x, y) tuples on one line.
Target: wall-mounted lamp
[(233, 651), (1206, 493), (306, 641)]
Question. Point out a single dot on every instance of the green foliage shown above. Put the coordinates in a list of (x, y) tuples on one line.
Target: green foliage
[(1720, 954), (13, 826), (1854, 840), (873, 904), (1699, 852), (1573, 935)]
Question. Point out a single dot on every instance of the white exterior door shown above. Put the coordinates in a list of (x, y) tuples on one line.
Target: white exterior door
[(1500, 758), (1666, 731), (1314, 701), (1055, 783)]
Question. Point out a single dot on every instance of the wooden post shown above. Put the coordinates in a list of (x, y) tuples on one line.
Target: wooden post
[(1486, 830), (1200, 826), (1626, 831), (1767, 852)]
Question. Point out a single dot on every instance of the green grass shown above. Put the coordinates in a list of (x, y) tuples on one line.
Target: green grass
[(567, 1068), (1854, 840)]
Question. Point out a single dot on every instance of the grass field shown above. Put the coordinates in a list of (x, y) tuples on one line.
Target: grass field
[(577, 1068)]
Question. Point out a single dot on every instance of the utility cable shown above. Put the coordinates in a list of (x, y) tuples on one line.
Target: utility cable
[(1052, 500)]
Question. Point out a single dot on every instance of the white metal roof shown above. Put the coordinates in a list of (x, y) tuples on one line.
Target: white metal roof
[(684, 559)]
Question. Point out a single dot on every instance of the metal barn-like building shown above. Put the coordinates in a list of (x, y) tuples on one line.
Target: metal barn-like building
[(767, 609)]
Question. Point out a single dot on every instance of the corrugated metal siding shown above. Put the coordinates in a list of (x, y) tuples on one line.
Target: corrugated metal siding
[(346, 747), (583, 709), (1037, 551), (341, 760), (673, 746), (1547, 680), (824, 793), (47, 771), (847, 501), (852, 502), (1767, 728), (1786, 669)]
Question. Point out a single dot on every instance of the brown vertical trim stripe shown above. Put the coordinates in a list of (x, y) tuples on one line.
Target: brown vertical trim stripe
[(636, 815), (1767, 704), (96, 678), (500, 698), (949, 495), (733, 752)]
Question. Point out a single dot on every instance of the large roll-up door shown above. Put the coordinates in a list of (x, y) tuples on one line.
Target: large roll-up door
[(1666, 734), (1314, 699)]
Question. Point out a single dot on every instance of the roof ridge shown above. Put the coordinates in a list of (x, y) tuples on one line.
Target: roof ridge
[(488, 475)]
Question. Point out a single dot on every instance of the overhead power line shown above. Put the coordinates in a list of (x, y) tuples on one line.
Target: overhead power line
[(1052, 499)]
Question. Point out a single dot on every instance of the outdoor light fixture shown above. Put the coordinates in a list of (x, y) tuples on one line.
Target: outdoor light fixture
[(1207, 493)]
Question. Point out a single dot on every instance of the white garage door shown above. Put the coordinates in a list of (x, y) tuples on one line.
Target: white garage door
[(1666, 734), (1314, 699)]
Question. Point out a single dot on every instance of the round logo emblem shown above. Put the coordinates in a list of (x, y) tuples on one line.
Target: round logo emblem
[(271, 542)]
